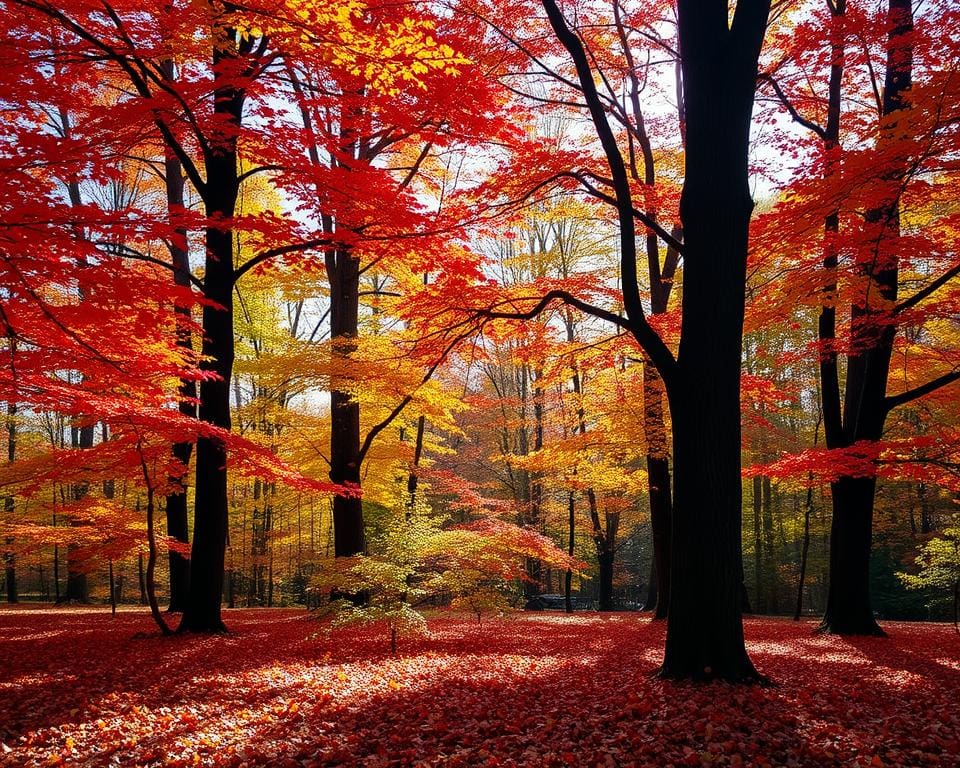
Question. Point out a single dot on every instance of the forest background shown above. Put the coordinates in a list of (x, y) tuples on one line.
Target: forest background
[(358, 284)]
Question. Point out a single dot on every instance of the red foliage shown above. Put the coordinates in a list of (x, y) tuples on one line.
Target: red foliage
[(543, 690)]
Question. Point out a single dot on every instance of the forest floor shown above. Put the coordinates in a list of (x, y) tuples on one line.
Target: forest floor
[(84, 688)]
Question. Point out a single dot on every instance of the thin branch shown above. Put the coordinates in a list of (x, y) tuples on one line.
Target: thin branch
[(923, 293), (378, 428), (889, 403), (282, 250), (564, 297), (797, 117)]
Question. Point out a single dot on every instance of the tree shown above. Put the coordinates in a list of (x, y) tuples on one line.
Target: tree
[(939, 568), (867, 198), (719, 58)]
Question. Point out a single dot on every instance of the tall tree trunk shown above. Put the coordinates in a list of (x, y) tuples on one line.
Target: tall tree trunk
[(658, 478), (807, 510), (202, 609), (534, 586), (82, 437), (872, 333), (757, 497), (719, 63), (9, 559), (77, 584), (412, 479), (176, 503), (568, 576), (773, 603), (343, 272)]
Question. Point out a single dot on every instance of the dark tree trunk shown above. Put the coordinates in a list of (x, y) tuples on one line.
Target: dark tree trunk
[(704, 627), (343, 272), (77, 585), (202, 609), (658, 478), (141, 579), (757, 548), (604, 539), (412, 479), (176, 503), (773, 603), (605, 560), (865, 405), (807, 510), (719, 63), (9, 559), (113, 588), (533, 566), (650, 603), (568, 576), (849, 610)]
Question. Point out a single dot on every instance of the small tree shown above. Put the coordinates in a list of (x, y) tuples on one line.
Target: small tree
[(939, 563), (414, 558)]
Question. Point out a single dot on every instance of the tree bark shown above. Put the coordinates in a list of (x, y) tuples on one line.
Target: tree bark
[(807, 510), (202, 608), (658, 478), (773, 602), (719, 64), (176, 503), (77, 586), (9, 559), (343, 272), (568, 576), (757, 497), (865, 407)]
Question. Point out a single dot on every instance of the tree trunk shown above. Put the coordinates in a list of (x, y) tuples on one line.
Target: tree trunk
[(348, 531), (534, 519), (141, 579), (9, 559), (650, 604), (773, 603), (757, 548), (719, 64), (704, 626), (808, 508), (851, 536), (658, 478), (77, 585), (605, 600), (176, 503), (113, 589), (202, 608), (872, 334), (568, 576)]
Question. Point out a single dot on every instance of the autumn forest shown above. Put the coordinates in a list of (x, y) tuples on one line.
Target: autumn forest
[(387, 361)]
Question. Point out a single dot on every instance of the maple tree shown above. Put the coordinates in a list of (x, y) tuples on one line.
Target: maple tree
[(870, 250), (719, 65)]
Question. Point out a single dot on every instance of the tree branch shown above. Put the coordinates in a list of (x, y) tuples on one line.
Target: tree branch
[(889, 403), (282, 250), (923, 293), (797, 117)]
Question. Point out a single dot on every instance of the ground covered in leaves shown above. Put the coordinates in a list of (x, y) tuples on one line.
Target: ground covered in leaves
[(83, 688)]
